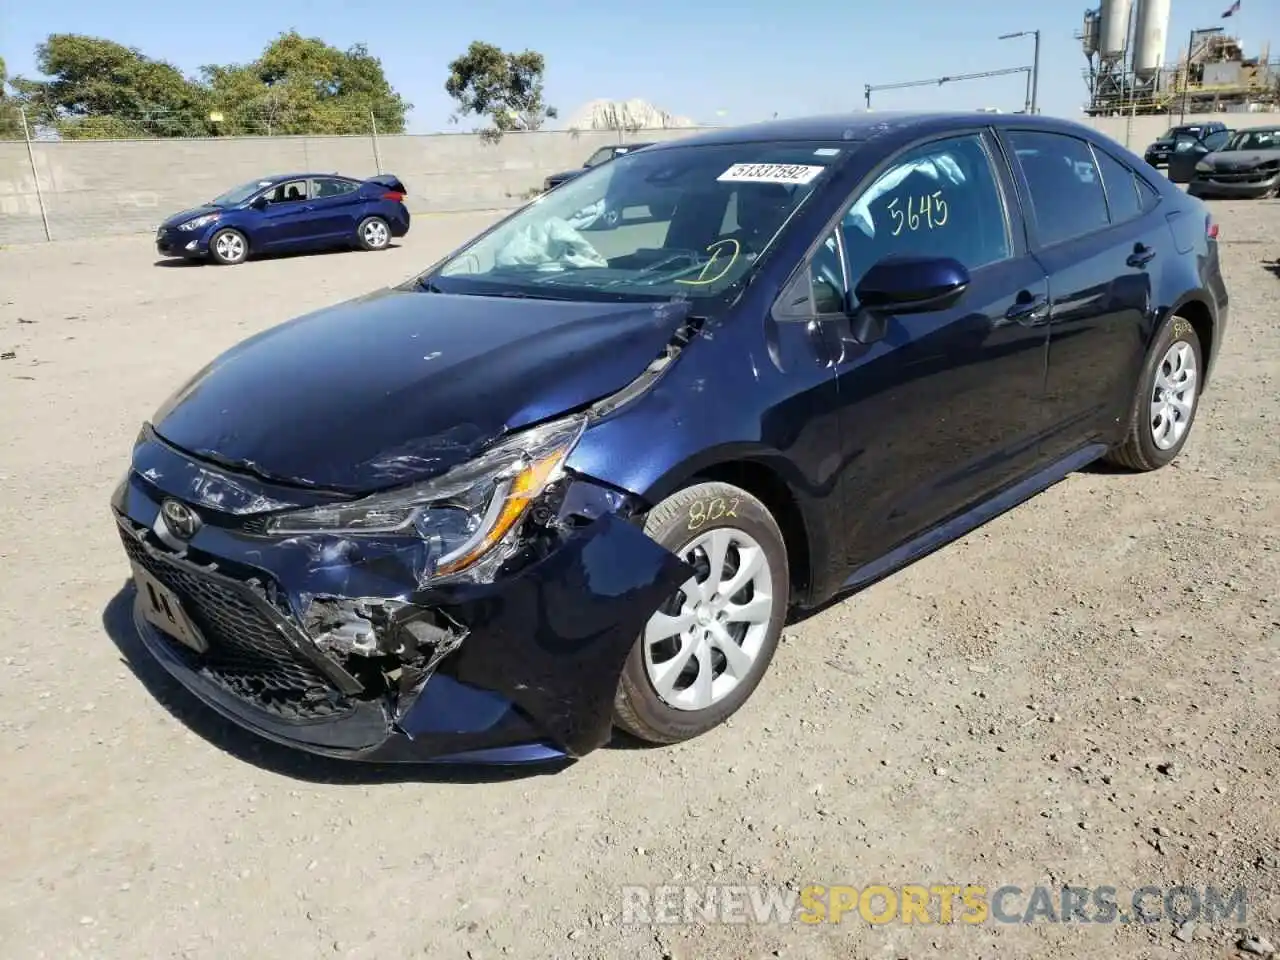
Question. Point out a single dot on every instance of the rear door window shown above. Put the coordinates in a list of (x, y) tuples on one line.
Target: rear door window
[(323, 187), (1065, 187)]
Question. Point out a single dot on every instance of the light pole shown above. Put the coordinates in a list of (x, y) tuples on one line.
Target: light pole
[(1035, 65)]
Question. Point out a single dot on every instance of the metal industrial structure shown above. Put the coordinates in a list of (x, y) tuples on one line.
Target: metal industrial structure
[(871, 88), (1126, 44)]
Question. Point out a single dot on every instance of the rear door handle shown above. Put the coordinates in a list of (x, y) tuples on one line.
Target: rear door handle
[(1028, 310), (1141, 256)]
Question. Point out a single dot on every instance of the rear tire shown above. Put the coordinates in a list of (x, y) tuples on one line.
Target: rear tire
[(228, 247), (373, 234), (683, 647), (1166, 400)]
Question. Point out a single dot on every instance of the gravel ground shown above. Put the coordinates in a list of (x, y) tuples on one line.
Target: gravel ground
[(1082, 692)]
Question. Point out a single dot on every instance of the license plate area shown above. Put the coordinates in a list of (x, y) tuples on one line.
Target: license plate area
[(163, 610)]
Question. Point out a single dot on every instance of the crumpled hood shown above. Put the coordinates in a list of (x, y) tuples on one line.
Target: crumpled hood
[(400, 385), (186, 215), (1241, 159)]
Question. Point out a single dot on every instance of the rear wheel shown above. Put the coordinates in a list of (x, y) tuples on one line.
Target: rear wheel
[(373, 233), (1168, 394), (228, 247), (704, 651)]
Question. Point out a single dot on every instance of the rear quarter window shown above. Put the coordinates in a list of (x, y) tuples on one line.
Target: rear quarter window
[(1120, 183)]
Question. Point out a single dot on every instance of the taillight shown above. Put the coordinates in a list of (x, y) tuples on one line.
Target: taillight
[(1210, 228), (393, 195)]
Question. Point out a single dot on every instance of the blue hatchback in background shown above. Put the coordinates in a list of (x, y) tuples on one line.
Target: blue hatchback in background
[(291, 212)]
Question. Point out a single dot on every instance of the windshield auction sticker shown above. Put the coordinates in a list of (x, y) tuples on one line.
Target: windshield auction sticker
[(770, 173)]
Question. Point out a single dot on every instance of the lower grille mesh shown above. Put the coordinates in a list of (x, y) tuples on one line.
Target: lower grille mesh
[(247, 656)]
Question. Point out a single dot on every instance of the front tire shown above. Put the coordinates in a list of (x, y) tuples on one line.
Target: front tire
[(703, 653), (373, 234), (228, 247), (1165, 404)]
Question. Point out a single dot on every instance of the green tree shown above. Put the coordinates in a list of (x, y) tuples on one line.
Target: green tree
[(303, 85), (504, 88), (10, 118), (98, 88)]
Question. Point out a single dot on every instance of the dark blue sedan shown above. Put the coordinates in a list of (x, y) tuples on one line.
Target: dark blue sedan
[(576, 476), (296, 211)]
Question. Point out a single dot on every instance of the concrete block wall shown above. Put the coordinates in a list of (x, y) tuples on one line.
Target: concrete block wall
[(1136, 132), (97, 188)]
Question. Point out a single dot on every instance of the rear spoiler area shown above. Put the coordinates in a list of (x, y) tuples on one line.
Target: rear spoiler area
[(391, 182)]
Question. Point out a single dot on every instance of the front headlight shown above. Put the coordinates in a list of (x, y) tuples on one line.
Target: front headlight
[(198, 222), (1202, 167), (463, 514)]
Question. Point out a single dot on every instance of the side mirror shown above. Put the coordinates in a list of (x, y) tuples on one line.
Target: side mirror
[(907, 284), (260, 202)]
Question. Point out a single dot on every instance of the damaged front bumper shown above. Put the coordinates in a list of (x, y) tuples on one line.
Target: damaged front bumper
[(330, 644)]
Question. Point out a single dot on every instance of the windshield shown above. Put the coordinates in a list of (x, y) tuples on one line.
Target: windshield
[(599, 157), (240, 194), (1264, 139), (681, 221)]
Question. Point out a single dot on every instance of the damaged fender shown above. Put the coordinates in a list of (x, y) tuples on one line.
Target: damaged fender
[(554, 638), (420, 669)]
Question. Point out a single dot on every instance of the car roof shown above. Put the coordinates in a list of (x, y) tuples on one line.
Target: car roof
[(281, 177), (868, 125)]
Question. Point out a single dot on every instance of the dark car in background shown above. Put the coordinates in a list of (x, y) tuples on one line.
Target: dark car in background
[(1246, 167), (289, 212), (603, 155), (568, 480), (1178, 139), (1182, 163)]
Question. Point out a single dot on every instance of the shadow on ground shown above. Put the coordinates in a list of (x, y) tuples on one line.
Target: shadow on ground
[(185, 262), (117, 620)]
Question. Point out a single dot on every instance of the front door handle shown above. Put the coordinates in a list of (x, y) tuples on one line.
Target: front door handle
[(1141, 256), (1028, 310)]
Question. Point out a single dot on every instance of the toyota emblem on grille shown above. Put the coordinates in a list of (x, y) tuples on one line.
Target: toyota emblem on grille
[(181, 520)]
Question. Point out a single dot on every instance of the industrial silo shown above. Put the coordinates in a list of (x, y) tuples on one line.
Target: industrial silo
[(1113, 28), (1089, 35), (1151, 36)]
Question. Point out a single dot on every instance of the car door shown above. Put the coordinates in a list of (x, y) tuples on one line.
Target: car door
[(1099, 236), (335, 207), (285, 221), (944, 408)]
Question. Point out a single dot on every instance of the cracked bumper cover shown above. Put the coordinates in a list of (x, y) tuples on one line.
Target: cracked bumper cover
[(532, 675)]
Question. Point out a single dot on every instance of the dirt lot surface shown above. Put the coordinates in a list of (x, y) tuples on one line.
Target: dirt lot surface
[(1085, 691)]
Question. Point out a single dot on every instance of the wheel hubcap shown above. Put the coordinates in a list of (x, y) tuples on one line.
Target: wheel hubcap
[(706, 640), (375, 234), (1173, 399), (230, 247)]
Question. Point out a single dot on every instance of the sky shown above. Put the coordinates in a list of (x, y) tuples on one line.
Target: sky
[(728, 62)]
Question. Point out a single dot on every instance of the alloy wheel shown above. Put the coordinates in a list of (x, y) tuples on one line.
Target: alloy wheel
[(1173, 398), (230, 247), (706, 640), (376, 233)]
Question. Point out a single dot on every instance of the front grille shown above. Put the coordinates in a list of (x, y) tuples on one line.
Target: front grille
[(1243, 176), (247, 656)]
